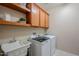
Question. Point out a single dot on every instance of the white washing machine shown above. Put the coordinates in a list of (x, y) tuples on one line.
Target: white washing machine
[(45, 47), (39, 47)]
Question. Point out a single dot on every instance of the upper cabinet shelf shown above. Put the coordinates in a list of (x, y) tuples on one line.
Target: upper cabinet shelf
[(16, 7), (4, 22)]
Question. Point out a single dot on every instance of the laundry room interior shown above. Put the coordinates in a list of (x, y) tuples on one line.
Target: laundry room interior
[(39, 29)]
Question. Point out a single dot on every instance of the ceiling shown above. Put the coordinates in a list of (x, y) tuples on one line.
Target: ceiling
[(51, 5)]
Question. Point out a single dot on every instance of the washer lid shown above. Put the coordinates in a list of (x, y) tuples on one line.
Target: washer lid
[(41, 38), (50, 36)]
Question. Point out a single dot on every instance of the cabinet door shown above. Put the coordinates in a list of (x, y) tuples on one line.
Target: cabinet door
[(42, 18), (35, 15), (46, 20)]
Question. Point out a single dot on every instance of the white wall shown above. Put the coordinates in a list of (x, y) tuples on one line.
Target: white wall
[(64, 23)]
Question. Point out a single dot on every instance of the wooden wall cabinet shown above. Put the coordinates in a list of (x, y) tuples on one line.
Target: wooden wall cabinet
[(42, 18), (35, 15), (46, 20), (39, 17)]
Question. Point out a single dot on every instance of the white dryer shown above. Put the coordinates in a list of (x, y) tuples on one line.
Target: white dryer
[(52, 44)]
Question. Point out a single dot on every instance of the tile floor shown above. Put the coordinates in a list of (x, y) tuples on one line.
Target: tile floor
[(63, 53)]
